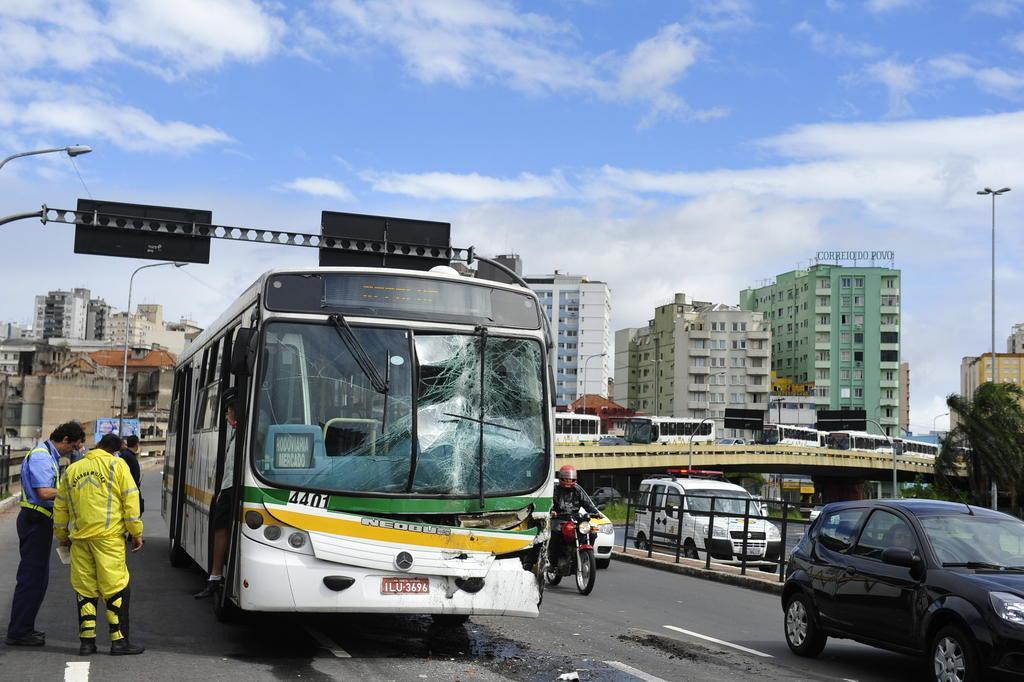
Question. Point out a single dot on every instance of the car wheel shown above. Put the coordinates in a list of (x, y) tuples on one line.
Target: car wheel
[(953, 656), (690, 550), (802, 633), (640, 541), (604, 563)]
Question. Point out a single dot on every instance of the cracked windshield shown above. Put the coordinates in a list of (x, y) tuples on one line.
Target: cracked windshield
[(322, 424)]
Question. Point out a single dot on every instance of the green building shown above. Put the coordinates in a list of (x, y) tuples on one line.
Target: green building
[(837, 329)]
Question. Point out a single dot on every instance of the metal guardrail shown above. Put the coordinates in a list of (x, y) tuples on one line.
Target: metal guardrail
[(776, 512), (10, 469)]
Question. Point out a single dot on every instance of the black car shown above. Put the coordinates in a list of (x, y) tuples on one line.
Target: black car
[(934, 579)]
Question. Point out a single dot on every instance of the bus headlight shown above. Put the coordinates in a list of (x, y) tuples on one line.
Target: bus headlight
[(272, 532), (297, 539), (253, 519)]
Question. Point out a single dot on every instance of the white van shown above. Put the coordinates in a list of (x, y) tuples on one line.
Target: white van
[(664, 500)]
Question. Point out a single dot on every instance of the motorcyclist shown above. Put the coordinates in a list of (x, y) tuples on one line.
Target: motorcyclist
[(566, 502)]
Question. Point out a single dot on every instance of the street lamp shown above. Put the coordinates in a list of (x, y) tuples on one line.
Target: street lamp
[(689, 465), (936, 418), (72, 151), (586, 362), (127, 336), (895, 493), (992, 374)]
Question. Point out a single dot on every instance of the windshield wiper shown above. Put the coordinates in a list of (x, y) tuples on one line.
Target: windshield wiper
[(974, 564), (362, 358)]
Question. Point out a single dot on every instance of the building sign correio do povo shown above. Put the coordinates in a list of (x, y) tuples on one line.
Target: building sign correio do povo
[(828, 256)]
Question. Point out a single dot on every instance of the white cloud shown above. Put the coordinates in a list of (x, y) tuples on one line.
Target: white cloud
[(900, 80), (473, 41), (320, 187), (880, 6), (999, 8), (836, 43), (83, 114), (470, 187), (993, 80), (171, 37)]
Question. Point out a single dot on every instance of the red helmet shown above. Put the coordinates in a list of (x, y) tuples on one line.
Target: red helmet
[(567, 473)]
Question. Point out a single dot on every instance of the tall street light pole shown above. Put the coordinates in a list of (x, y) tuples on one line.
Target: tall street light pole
[(992, 374), (689, 465), (895, 490), (72, 151), (127, 337), (586, 363), (936, 418)]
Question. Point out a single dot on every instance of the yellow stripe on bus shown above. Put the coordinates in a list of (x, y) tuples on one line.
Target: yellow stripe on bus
[(199, 494), (467, 540)]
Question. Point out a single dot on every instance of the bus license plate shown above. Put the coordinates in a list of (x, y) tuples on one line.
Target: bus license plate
[(404, 585)]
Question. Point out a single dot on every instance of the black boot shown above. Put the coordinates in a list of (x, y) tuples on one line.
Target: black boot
[(88, 646), (117, 615), (122, 647)]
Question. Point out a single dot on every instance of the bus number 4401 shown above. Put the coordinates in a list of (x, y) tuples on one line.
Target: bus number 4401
[(310, 499)]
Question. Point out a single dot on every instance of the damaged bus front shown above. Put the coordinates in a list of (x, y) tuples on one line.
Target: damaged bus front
[(398, 454)]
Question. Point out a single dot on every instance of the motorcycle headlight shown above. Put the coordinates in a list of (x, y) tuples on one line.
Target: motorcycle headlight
[(773, 532), (585, 527), (607, 529), (1010, 607)]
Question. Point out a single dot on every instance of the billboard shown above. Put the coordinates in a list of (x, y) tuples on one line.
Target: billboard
[(842, 420), (744, 419), (98, 234), (106, 425)]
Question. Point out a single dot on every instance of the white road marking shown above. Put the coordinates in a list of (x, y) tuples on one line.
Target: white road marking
[(719, 641), (630, 670), (76, 671), (327, 643)]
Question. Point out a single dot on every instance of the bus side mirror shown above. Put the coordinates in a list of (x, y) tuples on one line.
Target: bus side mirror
[(243, 352)]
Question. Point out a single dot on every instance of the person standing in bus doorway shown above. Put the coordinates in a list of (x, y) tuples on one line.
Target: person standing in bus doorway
[(129, 453), (221, 513), (39, 479), (97, 503)]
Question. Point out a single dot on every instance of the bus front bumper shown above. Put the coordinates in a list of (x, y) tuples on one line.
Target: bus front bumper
[(272, 579)]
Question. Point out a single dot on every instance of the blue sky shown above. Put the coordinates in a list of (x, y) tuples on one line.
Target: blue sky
[(661, 146)]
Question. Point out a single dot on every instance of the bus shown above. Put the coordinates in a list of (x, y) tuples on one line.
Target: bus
[(783, 434), (580, 429), (917, 447), (645, 430), (860, 440), (393, 450)]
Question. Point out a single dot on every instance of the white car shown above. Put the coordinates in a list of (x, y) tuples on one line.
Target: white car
[(605, 541), (668, 503)]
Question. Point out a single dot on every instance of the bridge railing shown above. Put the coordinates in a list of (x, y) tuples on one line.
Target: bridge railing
[(739, 531)]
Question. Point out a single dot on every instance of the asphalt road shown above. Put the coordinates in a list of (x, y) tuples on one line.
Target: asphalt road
[(620, 632)]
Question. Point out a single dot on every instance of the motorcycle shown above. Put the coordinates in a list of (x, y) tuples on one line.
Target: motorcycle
[(577, 554)]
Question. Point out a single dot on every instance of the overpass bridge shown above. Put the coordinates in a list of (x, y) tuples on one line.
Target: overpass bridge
[(838, 474)]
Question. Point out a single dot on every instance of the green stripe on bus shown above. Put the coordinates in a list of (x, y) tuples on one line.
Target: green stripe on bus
[(377, 505)]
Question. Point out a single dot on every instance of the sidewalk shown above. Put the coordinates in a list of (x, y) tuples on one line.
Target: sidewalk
[(755, 579)]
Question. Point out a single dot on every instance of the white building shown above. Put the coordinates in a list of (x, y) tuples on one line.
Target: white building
[(580, 314), (70, 315), (1015, 342), (148, 328), (695, 359)]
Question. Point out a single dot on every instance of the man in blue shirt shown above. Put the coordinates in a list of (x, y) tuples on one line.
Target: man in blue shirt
[(39, 477)]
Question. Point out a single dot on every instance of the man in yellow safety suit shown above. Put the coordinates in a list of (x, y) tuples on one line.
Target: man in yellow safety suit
[(97, 503)]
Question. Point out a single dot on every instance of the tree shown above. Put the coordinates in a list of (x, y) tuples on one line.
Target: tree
[(988, 439)]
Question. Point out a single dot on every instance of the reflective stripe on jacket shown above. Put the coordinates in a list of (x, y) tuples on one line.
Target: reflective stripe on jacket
[(97, 497)]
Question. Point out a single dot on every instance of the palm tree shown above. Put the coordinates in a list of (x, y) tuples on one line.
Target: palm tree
[(988, 439)]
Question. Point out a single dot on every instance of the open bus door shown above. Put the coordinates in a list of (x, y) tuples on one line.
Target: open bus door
[(182, 419)]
